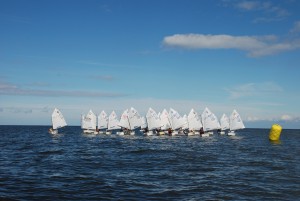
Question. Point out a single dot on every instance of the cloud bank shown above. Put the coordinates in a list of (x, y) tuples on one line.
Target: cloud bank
[(253, 89), (284, 118), (266, 11), (254, 46), (11, 89)]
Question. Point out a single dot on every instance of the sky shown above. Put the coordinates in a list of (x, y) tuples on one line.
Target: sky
[(113, 54)]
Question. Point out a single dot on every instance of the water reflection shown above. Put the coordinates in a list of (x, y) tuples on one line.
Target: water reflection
[(275, 142)]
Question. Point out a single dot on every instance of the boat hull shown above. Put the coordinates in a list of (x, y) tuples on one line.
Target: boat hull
[(53, 131), (90, 132), (205, 135), (231, 133)]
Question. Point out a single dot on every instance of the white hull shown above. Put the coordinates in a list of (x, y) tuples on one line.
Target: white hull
[(53, 131), (108, 133), (161, 133), (173, 133), (191, 134), (231, 133), (120, 133), (181, 133), (126, 133), (90, 132), (205, 135), (222, 132), (149, 133), (209, 132)]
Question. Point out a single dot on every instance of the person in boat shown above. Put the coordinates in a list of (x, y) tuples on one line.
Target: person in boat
[(201, 130), (50, 130), (170, 131), (126, 131), (145, 130)]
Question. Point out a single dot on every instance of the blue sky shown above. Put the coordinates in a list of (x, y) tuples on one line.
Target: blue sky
[(114, 54)]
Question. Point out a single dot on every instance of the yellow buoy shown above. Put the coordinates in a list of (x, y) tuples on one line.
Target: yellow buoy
[(275, 132)]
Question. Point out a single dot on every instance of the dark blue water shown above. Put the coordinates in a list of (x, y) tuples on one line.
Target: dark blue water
[(35, 165)]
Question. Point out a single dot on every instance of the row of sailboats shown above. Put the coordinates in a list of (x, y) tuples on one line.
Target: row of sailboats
[(170, 123)]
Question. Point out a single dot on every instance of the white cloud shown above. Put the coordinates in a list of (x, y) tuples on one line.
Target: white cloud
[(200, 41), (253, 89), (265, 10), (248, 5), (103, 77), (284, 117), (19, 110), (296, 28), (253, 45), (7, 86), (11, 89)]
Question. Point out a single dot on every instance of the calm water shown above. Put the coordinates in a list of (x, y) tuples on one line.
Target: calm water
[(35, 165)]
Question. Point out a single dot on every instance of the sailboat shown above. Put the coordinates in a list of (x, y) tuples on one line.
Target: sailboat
[(165, 122), (102, 122), (58, 121), (112, 123), (177, 122), (183, 130), (153, 121), (194, 123), (89, 123), (210, 122), (124, 123), (144, 126), (235, 123), (130, 120), (224, 121)]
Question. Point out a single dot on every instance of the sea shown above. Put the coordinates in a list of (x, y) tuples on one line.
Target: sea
[(35, 165)]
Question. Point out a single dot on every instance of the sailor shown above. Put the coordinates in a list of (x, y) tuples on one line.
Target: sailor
[(201, 130), (170, 131)]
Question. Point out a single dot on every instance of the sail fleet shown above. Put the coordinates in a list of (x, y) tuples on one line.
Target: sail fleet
[(162, 123)]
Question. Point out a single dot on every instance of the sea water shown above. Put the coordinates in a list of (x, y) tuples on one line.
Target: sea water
[(35, 165)]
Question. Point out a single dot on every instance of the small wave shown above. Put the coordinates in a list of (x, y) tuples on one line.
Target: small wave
[(50, 152)]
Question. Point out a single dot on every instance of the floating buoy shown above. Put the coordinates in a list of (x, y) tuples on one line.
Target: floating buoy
[(275, 132)]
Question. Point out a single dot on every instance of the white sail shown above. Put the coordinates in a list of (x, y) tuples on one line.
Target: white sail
[(113, 121), (153, 119), (135, 119), (144, 123), (124, 121), (194, 120), (235, 121), (175, 119), (185, 122), (209, 120), (102, 120), (164, 120), (58, 120), (89, 121), (224, 121), (83, 123)]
